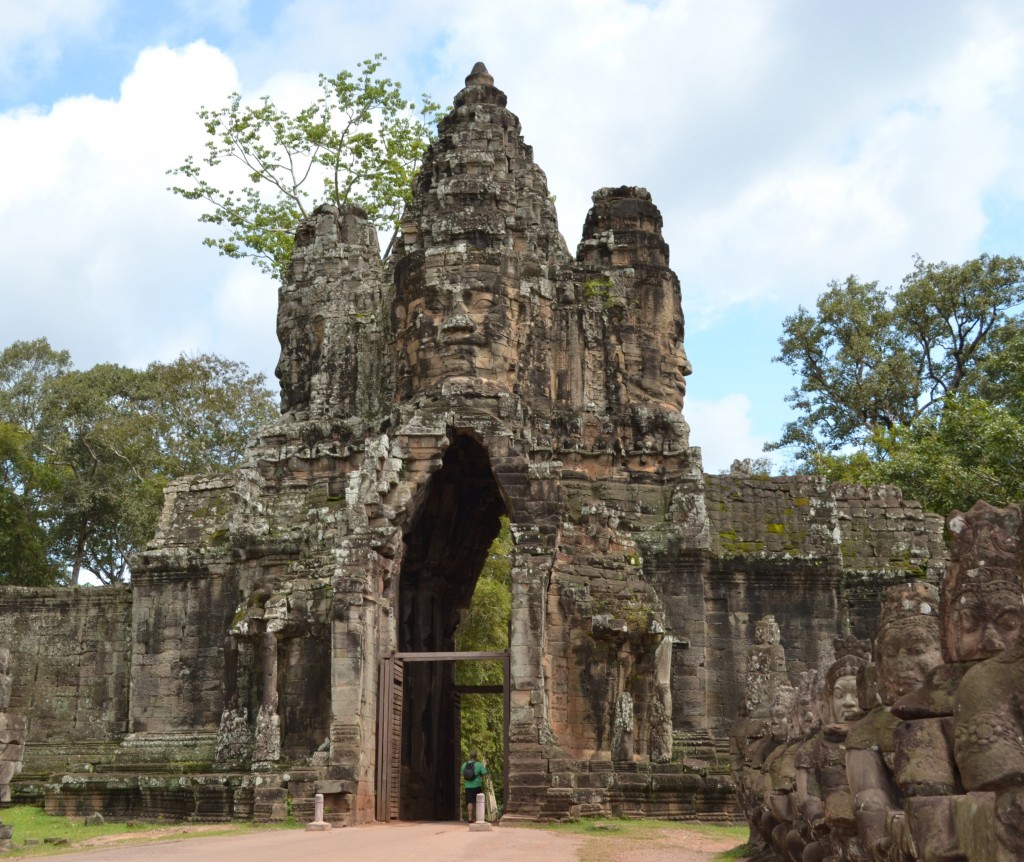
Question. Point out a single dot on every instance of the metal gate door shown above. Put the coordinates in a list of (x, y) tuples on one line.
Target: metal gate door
[(389, 738)]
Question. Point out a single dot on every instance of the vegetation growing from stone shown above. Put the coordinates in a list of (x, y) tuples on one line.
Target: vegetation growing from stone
[(485, 627), (918, 386), (85, 455), (265, 169)]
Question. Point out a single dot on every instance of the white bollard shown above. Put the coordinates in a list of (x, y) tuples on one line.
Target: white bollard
[(481, 824), (318, 824)]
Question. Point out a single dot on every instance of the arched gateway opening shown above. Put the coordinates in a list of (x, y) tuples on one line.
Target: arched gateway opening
[(446, 543)]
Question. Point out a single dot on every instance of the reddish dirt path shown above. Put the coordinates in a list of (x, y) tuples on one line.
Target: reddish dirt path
[(405, 842)]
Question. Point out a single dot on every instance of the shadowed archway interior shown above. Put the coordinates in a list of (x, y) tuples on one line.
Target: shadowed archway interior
[(454, 524)]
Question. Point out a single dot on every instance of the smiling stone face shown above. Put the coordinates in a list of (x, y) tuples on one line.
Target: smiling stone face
[(905, 655), (454, 330), (908, 642)]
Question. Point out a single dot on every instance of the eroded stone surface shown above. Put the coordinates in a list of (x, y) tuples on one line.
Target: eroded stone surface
[(935, 769)]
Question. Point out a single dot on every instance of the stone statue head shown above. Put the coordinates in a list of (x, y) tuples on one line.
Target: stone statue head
[(908, 641), (809, 703), (982, 602), (767, 631), (456, 329), (782, 713), (842, 702)]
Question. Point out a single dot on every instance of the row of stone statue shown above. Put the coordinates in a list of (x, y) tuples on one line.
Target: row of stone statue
[(908, 748)]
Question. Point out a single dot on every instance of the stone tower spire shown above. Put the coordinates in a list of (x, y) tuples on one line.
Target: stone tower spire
[(479, 248)]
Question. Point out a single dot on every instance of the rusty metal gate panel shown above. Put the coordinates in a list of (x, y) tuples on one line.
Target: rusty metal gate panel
[(389, 738)]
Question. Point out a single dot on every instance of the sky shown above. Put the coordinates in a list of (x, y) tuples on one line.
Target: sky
[(787, 143)]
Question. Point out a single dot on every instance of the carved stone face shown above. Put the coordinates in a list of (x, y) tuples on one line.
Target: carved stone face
[(683, 366), (983, 623), (780, 719), (767, 631), (844, 703), (807, 720), (452, 330), (905, 654)]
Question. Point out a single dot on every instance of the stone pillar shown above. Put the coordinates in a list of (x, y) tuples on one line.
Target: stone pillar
[(661, 713), (267, 744)]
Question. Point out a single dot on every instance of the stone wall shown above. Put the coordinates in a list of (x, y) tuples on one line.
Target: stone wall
[(885, 540), (71, 654)]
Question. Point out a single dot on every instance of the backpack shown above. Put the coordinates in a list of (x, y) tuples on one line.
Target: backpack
[(469, 770)]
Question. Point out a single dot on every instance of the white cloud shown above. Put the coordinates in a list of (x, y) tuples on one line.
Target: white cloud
[(109, 264), (787, 143), (912, 178), (722, 428)]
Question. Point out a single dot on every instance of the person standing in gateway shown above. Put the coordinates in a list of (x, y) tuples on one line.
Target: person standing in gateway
[(473, 771)]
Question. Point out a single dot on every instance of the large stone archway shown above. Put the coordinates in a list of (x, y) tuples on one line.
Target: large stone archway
[(452, 524)]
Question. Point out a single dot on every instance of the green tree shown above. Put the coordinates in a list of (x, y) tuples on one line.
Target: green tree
[(485, 627), (920, 387), (86, 454), (23, 548), (25, 369), (97, 428), (856, 370), (207, 408), (360, 142)]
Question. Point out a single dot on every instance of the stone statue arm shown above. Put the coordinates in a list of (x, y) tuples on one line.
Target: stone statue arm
[(880, 821), (808, 794), (989, 730)]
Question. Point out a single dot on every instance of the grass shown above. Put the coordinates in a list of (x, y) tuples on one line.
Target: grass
[(31, 823), (606, 836)]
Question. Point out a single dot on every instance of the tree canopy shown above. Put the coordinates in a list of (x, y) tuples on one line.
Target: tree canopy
[(85, 455), (920, 386), (360, 142)]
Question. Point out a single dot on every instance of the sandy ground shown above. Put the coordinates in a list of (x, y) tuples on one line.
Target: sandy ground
[(403, 842)]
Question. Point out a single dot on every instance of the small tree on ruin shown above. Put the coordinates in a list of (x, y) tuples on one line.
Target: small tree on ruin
[(361, 142)]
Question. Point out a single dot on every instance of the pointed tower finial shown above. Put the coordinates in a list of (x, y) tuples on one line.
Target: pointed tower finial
[(479, 75)]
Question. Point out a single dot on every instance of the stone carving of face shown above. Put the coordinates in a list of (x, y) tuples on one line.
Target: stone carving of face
[(982, 596), (682, 368), (984, 623), (844, 702), (782, 713), (452, 330), (905, 654), (767, 631)]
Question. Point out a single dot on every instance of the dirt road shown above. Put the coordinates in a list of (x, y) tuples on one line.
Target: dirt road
[(404, 842)]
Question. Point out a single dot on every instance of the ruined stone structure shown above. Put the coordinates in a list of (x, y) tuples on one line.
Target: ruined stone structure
[(12, 742), (481, 371), (934, 770)]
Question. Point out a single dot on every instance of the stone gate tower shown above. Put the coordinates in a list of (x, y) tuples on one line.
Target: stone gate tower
[(481, 370)]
